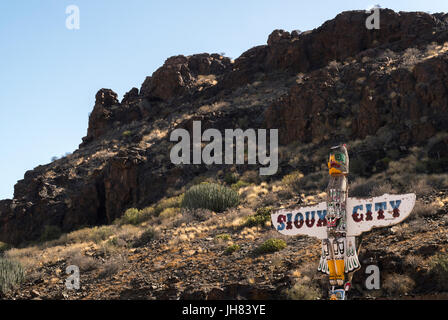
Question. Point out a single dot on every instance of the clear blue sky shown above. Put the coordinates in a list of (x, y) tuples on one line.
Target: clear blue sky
[(49, 75)]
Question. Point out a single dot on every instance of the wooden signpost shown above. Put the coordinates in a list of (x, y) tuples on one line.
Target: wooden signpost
[(339, 220)]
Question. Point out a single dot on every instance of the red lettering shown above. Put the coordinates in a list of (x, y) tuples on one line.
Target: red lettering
[(396, 212), (298, 220), (310, 223), (358, 217), (321, 223)]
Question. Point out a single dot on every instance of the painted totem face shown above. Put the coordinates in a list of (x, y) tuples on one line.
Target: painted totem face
[(332, 220), (332, 217), (338, 161)]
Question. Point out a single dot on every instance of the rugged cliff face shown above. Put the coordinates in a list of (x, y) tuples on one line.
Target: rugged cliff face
[(340, 81)]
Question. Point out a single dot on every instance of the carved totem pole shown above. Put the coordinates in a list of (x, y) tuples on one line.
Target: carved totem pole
[(339, 220)]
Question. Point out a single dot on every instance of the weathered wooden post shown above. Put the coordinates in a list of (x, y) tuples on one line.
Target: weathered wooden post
[(339, 220)]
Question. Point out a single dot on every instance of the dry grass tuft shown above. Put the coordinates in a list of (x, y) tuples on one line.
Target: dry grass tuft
[(398, 284)]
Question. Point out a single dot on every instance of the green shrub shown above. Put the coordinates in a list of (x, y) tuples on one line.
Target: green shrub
[(210, 196), (240, 184), (134, 216), (11, 274), (232, 248), (230, 178), (127, 133), (147, 212), (272, 245), (169, 213), (50, 232), (173, 202), (439, 271), (260, 218), (224, 236), (113, 241), (95, 234), (99, 234), (131, 216)]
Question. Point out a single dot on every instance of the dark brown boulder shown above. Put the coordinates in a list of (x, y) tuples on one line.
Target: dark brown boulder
[(130, 96), (337, 39), (278, 35), (179, 75), (412, 102), (101, 118)]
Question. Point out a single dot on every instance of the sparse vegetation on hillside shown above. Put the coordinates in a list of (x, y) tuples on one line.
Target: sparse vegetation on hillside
[(232, 248), (294, 181), (147, 236), (260, 218), (271, 245), (134, 216)]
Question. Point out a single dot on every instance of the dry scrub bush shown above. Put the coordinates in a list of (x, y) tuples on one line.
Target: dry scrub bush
[(189, 215), (383, 188), (422, 209), (398, 284), (146, 237), (294, 181), (305, 285), (416, 225), (251, 176), (112, 266), (361, 187), (84, 263), (302, 292), (95, 234), (414, 261), (420, 186)]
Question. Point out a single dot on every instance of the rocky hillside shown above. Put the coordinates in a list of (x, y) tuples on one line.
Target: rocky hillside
[(384, 92)]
